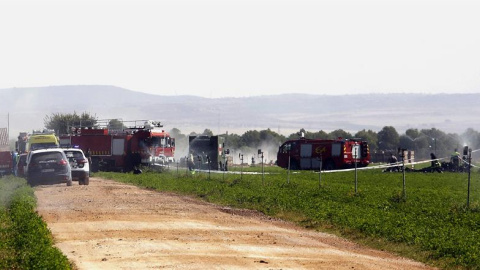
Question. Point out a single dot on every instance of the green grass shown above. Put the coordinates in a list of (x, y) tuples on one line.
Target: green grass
[(25, 241), (432, 225)]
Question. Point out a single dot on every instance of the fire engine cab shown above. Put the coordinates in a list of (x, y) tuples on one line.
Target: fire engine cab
[(123, 149), (306, 154)]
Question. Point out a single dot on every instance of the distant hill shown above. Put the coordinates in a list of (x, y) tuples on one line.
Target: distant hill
[(27, 108)]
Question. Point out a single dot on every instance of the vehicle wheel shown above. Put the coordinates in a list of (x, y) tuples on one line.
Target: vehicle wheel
[(69, 182), (294, 165), (95, 166), (329, 165), (30, 182), (86, 180)]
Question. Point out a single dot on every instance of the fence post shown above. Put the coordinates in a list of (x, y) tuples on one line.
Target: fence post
[(320, 173)]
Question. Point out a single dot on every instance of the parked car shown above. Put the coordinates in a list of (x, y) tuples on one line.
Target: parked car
[(79, 165), (45, 166), (20, 166)]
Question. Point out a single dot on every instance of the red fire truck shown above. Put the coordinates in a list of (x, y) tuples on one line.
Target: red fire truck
[(123, 149), (306, 154), (6, 161)]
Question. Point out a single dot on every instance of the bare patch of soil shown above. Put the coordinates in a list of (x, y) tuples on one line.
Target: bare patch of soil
[(111, 225)]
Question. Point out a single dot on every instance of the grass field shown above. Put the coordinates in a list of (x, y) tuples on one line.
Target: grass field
[(432, 224), (25, 241)]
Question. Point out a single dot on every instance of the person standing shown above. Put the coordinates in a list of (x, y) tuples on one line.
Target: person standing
[(191, 162), (435, 164), (393, 161), (14, 160), (455, 160)]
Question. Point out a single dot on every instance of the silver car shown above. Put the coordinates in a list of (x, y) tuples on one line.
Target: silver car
[(48, 166), (79, 165)]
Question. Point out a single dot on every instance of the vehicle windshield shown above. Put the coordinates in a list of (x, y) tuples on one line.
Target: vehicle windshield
[(160, 141), (47, 157), (287, 147), (37, 146), (73, 155)]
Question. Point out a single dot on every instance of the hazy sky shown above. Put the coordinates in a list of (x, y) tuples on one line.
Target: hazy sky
[(242, 48)]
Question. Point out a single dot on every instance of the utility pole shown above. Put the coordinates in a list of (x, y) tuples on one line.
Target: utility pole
[(320, 173), (468, 152), (240, 156), (355, 155), (403, 171), (260, 153)]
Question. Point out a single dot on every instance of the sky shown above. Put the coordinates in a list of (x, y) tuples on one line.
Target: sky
[(233, 48)]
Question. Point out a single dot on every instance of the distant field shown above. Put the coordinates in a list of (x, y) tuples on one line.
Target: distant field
[(432, 225)]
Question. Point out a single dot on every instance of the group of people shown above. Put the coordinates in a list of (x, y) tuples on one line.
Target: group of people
[(435, 165)]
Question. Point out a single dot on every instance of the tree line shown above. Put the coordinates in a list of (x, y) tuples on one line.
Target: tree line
[(387, 140)]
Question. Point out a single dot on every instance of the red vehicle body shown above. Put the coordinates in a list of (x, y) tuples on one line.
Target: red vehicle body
[(6, 160), (306, 154), (122, 150)]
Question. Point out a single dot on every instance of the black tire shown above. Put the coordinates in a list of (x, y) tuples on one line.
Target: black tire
[(294, 165), (329, 165), (86, 180), (31, 182), (69, 182), (95, 166)]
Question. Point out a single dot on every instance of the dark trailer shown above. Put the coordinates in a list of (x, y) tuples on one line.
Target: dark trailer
[(207, 148)]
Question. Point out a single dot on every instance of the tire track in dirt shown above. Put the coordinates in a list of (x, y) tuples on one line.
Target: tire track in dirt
[(111, 225)]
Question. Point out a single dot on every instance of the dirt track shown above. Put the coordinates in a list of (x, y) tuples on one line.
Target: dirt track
[(110, 225)]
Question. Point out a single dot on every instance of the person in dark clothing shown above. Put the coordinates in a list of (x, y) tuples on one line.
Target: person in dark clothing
[(435, 164), (393, 161), (455, 161)]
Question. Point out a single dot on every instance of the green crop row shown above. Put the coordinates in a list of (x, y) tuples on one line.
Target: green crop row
[(25, 241), (431, 224)]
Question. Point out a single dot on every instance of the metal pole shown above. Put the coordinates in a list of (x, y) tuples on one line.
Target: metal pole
[(288, 171), (241, 168), (8, 128), (469, 162), (320, 173), (355, 161), (223, 164), (404, 183), (263, 172), (356, 179)]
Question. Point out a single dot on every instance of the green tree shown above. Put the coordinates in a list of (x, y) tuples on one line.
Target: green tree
[(414, 140), (370, 136), (250, 138), (116, 124), (339, 133), (232, 141), (207, 132), (271, 137), (63, 123), (388, 138), (471, 138), (320, 135)]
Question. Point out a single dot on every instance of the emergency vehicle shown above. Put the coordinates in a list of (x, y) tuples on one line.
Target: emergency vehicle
[(306, 154), (38, 139), (6, 160), (208, 152), (122, 149), (41, 140)]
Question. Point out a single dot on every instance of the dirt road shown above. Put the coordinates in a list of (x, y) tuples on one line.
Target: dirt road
[(110, 225)]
